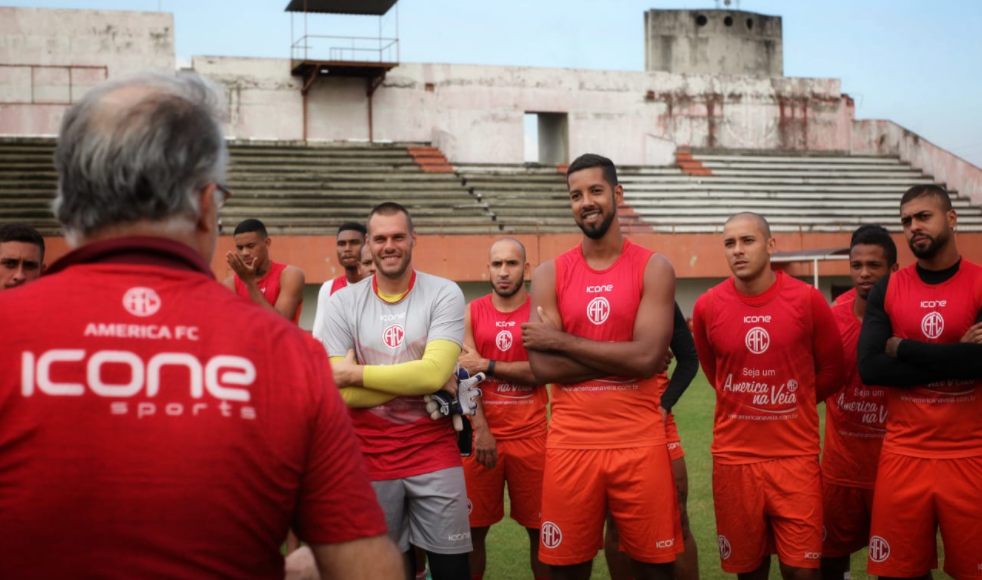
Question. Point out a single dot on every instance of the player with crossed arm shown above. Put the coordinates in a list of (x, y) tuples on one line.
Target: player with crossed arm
[(393, 338), (600, 327), (922, 332), (686, 566), (256, 277), (771, 349), (854, 416), (510, 443)]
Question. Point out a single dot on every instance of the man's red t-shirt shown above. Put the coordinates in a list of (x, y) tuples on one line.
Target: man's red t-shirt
[(150, 427), (767, 356), (514, 411), (855, 417), (602, 305), (942, 419), (269, 286)]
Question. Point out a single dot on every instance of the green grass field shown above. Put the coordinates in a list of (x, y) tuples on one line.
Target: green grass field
[(508, 542)]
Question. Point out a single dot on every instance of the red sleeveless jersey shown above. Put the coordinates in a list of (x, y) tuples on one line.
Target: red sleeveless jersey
[(942, 419), (269, 285), (602, 305), (855, 417), (514, 411), (764, 370)]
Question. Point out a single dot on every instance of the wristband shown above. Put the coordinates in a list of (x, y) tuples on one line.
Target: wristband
[(490, 370)]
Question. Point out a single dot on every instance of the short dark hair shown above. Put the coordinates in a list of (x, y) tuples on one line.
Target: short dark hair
[(762, 223), (588, 160), (354, 227), (873, 235), (935, 191), (251, 225), (20, 232), (391, 208)]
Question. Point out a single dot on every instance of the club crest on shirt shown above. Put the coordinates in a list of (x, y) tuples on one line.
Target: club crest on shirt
[(142, 302), (393, 335), (504, 340), (598, 310), (757, 340), (932, 325)]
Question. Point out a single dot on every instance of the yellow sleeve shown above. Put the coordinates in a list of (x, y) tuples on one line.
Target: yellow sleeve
[(418, 377), (359, 398)]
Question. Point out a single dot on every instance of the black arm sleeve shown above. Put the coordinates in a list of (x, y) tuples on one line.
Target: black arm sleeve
[(957, 360), (875, 366), (686, 361)]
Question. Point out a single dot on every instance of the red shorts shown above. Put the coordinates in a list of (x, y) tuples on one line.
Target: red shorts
[(672, 438), (768, 505), (913, 497), (637, 487), (847, 512), (520, 463)]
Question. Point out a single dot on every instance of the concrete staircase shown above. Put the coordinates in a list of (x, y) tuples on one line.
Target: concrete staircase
[(801, 192), (293, 189), (311, 189)]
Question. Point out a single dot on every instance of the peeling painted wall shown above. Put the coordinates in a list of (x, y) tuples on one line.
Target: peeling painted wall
[(59, 44), (477, 111)]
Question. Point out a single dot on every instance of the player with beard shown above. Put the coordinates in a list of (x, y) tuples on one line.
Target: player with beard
[(599, 331), (770, 347), (854, 416), (510, 426), (274, 286), (350, 242), (392, 339), (923, 331)]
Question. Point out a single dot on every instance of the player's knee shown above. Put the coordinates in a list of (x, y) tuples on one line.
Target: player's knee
[(478, 535)]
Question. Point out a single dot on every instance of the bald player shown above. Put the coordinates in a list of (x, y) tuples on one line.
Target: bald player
[(770, 347), (350, 243), (366, 267), (274, 286), (921, 336), (510, 427), (21, 255), (599, 331)]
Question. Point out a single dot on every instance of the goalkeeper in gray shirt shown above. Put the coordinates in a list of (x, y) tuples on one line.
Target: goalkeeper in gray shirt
[(392, 339)]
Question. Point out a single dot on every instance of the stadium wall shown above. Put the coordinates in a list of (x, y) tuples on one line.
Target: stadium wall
[(48, 58)]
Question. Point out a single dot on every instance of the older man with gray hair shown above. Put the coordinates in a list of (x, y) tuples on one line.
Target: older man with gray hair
[(151, 423)]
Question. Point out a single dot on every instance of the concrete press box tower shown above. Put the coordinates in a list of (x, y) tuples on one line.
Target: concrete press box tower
[(729, 42)]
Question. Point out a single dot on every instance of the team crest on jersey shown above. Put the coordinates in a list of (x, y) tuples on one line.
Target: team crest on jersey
[(504, 340), (393, 335), (879, 549), (598, 310), (551, 535), (932, 325), (724, 547), (757, 340), (141, 301)]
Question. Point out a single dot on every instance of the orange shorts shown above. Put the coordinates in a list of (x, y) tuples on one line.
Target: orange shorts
[(915, 496), (520, 463), (767, 507), (673, 439), (847, 512), (637, 487)]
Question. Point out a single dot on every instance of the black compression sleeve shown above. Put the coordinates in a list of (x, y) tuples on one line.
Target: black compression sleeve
[(686, 361), (875, 366), (956, 360)]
